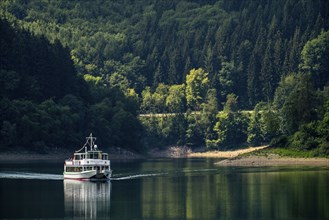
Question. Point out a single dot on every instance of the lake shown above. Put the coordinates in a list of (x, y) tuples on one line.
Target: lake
[(165, 189)]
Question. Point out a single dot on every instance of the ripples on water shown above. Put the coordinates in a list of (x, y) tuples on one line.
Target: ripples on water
[(166, 189), (116, 177)]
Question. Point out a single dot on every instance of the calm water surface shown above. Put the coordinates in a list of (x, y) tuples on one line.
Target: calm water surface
[(165, 189)]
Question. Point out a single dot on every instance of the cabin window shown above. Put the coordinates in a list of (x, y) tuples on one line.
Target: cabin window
[(73, 169), (94, 156)]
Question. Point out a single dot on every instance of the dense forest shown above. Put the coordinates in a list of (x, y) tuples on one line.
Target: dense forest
[(227, 72), (45, 104)]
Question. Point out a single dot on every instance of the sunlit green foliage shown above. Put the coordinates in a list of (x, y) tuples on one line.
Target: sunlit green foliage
[(231, 104), (176, 100), (197, 84), (159, 97), (231, 129), (264, 125)]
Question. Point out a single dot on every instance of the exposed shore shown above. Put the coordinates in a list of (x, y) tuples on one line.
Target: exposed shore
[(273, 160), (224, 154), (238, 157), (186, 152)]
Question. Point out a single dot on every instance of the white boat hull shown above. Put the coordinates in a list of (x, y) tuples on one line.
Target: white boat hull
[(89, 174)]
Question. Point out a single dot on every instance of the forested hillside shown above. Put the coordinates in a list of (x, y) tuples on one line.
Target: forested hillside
[(45, 104), (185, 56), (245, 46)]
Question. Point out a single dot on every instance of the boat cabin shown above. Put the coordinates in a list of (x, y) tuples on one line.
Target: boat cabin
[(88, 163), (90, 160), (91, 155)]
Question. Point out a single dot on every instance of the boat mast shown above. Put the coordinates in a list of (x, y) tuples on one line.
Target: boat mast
[(92, 139)]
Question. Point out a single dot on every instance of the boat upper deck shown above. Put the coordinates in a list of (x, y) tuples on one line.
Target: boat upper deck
[(90, 155), (89, 158), (94, 156)]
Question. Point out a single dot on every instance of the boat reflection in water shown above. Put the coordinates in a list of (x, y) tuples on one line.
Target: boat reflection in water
[(85, 199)]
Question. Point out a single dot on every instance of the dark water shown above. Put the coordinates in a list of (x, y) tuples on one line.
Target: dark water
[(165, 189)]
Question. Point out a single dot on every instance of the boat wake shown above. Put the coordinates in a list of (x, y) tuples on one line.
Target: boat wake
[(137, 176), (32, 176), (45, 176)]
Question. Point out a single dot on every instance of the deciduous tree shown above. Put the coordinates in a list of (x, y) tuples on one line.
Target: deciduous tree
[(196, 88)]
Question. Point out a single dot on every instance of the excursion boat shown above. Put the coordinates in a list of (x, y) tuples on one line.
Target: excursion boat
[(90, 164)]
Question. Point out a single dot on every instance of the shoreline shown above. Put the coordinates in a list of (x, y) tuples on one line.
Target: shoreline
[(186, 152), (224, 154), (231, 158), (121, 154), (58, 155), (272, 160), (24, 155)]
